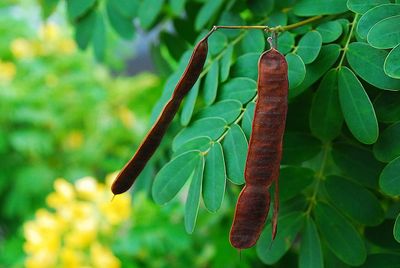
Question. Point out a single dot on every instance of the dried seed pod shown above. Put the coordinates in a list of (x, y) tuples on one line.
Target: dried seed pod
[(265, 152), (134, 167)]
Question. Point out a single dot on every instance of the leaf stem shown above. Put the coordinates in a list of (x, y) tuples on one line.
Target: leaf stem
[(237, 120), (346, 46)]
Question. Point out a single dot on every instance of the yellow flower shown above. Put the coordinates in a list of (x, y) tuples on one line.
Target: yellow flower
[(87, 188), (69, 234), (118, 209), (64, 188), (41, 259), (22, 48), (66, 46), (7, 71), (103, 257), (82, 234), (71, 258), (49, 32)]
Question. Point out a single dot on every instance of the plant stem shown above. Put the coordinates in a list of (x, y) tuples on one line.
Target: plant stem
[(295, 25), (236, 121), (267, 28), (242, 27), (346, 46), (319, 176)]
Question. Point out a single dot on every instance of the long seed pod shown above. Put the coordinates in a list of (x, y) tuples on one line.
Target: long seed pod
[(265, 152), (134, 167)]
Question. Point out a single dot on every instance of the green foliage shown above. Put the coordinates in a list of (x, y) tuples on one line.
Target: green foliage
[(311, 253), (326, 116), (214, 178), (390, 67), (193, 197), (340, 182), (330, 31), (297, 70), (357, 108), (384, 34), (309, 46)]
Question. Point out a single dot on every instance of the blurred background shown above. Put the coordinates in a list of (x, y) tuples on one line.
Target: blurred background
[(68, 122)]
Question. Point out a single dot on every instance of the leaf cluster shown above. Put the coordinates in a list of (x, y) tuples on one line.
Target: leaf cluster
[(341, 164)]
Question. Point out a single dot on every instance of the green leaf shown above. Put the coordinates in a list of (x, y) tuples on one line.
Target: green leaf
[(357, 109), (242, 89), (235, 151), (225, 63), (382, 260), (77, 8), (193, 197), (48, 7), (127, 8), (391, 66), (310, 251), (322, 7), (396, 230), (293, 180), (270, 251), (330, 31), (202, 143), (206, 13), (99, 38), (362, 6), (385, 33), (296, 70), (211, 127), (277, 17), (214, 178), (166, 95), (374, 15), (309, 46), (171, 178), (387, 147), (246, 66), (226, 109), (247, 120), (340, 236), (84, 29), (176, 46), (285, 42), (387, 107), (122, 25), (177, 6), (253, 41), (357, 163), (261, 8), (326, 58), (389, 180), (149, 11), (299, 147), (326, 117), (345, 194), (190, 102), (216, 43), (231, 18), (211, 84), (345, 26)]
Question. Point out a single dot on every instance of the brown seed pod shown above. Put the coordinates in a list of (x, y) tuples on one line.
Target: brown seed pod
[(265, 152), (134, 167)]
